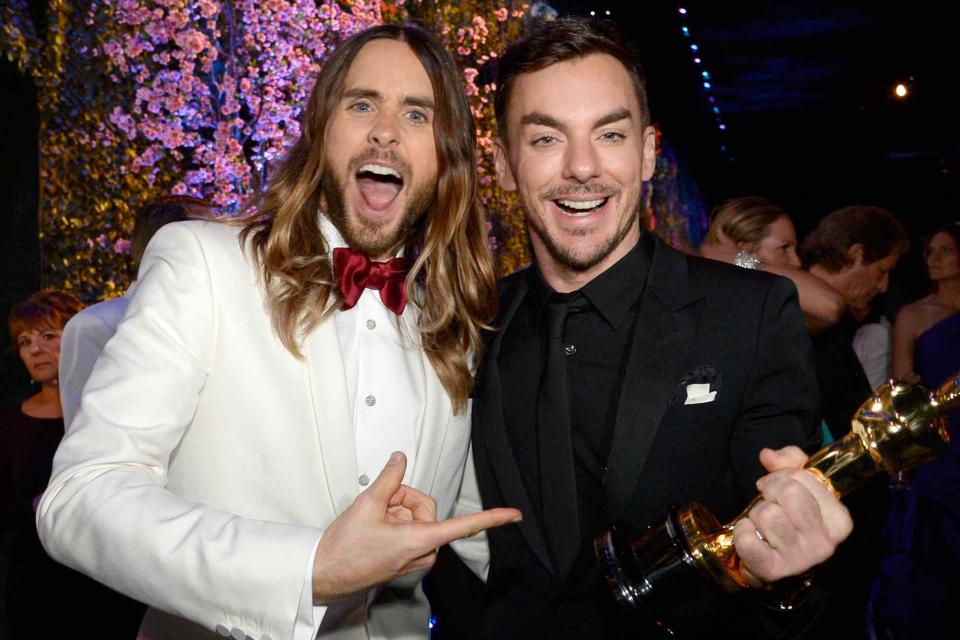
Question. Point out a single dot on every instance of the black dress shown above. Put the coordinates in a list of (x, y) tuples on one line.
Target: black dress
[(43, 597)]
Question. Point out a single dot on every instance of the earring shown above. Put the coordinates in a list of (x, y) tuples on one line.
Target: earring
[(747, 260)]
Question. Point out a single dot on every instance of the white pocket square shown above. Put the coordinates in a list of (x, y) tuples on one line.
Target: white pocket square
[(699, 394)]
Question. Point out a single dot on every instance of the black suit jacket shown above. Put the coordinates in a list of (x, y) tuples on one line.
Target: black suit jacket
[(699, 321)]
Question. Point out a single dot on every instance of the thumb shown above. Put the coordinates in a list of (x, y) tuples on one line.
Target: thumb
[(786, 458), (390, 478)]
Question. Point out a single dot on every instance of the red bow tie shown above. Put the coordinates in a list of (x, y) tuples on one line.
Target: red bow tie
[(356, 272)]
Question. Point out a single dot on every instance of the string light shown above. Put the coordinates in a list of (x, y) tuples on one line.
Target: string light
[(707, 79)]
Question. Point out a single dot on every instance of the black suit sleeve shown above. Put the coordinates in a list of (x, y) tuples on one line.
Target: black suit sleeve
[(779, 408), (779, 404)]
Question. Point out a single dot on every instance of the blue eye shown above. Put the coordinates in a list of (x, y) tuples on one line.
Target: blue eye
[(544, 140), (361, 107), (417, 116)]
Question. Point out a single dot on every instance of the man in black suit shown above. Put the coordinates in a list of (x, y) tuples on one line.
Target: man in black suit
[(627, 376)]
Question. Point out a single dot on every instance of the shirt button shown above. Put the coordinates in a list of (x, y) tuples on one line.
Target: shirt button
[(371, 324), (570, 349), (370, 401), (364, 480)]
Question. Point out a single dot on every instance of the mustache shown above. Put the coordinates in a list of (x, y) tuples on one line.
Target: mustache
[(373, 155), (589, 188)]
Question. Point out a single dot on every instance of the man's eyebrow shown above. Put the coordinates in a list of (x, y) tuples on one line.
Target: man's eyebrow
[(413, 101), (542, 119), (362, 92), (613, 116), (419, 101)]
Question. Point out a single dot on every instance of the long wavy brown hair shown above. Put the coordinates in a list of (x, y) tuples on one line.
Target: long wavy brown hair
[(453, 279)]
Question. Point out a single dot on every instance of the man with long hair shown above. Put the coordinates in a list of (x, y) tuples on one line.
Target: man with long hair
[(627, 376), (223, 467)]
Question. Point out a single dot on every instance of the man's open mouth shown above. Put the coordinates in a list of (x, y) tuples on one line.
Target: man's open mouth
[(580, 208), (378, 184)]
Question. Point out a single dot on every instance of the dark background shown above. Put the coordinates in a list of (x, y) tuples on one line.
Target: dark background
[(805, 91)]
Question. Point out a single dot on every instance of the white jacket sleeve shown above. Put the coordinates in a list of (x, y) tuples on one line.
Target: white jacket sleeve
[(80, 346), (107, 511)]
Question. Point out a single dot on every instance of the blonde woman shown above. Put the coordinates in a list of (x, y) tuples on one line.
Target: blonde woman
[(755, 233)]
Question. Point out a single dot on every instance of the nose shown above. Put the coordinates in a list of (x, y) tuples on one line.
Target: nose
[(794, 259), (383, 133), (581, 162)]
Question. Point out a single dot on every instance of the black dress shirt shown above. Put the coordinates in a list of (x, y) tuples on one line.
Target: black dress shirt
[(597, 337)]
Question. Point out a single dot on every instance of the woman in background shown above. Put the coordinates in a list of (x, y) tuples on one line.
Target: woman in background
[(43, 598), (29, 435), (754, 233), (926, 336), (918, 590)]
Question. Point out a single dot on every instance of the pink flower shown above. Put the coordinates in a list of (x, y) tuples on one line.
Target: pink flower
[(192, 41), (121, 245), (501, 14), (207, 8)]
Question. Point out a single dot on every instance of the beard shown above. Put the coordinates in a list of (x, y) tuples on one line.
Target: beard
[(372, 238), (580, 262)]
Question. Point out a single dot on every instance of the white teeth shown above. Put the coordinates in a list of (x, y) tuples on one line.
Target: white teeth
[(380, 170), (581, 205)]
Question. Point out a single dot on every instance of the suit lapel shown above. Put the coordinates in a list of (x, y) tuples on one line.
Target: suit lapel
[(333, 415), (666, 326), (492, 428)]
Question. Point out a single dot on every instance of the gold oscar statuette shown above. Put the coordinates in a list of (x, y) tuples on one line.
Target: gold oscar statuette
[(900, 427)]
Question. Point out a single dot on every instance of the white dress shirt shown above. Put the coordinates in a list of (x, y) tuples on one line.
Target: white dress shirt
[(381, 362)]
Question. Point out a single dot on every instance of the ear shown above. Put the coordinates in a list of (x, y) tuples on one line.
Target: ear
[(649, 143), (501, 161), (746, 246), (855, 254)]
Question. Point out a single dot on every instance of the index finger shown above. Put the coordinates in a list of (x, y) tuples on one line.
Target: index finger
[(422, 506), (440, 533)]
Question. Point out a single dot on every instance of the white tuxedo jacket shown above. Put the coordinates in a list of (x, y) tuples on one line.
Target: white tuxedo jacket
[(206, 461)]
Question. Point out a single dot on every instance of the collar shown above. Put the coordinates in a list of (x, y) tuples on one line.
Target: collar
[(612, 293)]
